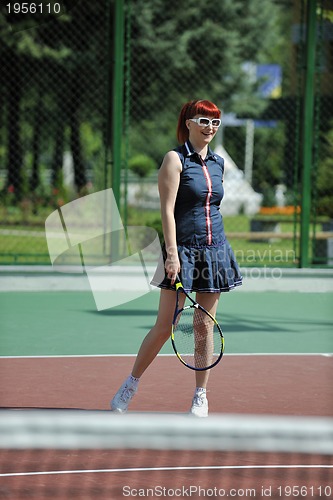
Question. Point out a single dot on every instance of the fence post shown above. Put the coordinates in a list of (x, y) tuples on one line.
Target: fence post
[(118, 96), (307, 139)]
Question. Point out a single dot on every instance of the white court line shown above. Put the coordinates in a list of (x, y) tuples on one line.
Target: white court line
[(145, 469), (171, 355)]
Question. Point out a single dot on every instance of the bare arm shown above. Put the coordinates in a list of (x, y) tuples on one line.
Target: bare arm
[(168, 183)]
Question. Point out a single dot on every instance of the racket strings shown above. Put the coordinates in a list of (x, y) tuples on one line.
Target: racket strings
[(197, 338), (203, 329)]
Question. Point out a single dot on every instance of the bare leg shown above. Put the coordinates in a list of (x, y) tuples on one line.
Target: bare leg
[(159, 334), (209, 301)]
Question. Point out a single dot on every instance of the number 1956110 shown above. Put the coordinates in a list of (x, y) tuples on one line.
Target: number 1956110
[(305, 491), (33, 8)]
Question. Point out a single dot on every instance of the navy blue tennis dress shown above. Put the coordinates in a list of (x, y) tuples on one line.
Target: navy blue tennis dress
[(207, 261)]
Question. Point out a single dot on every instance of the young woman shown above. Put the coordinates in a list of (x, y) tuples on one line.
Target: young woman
[(195, 247)]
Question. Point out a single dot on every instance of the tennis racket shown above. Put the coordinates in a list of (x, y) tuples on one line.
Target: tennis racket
[(196, 336)]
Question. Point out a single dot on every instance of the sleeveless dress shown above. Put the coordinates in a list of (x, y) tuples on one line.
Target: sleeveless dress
[(206, 259)]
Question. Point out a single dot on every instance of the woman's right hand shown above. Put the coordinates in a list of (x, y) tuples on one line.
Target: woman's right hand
[(172, 267)]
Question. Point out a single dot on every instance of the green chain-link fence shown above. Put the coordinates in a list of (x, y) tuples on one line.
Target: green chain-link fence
[(90, 99), (321, 178), (54, 101)]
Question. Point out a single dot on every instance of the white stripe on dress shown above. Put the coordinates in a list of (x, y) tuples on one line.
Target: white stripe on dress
[(207, 203)]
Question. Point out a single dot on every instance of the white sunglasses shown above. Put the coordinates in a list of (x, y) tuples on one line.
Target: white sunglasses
[(205, 122)]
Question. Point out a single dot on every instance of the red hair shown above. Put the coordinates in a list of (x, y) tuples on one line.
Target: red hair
[(189, 110)]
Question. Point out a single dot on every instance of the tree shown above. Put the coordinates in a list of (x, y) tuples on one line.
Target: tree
[(183, 50), (55, 67), (324, 179), (180, 49)]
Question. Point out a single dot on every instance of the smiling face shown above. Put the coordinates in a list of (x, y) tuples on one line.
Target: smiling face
[(201, 134)]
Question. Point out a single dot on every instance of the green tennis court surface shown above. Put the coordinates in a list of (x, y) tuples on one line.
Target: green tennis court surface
[(67, 323)]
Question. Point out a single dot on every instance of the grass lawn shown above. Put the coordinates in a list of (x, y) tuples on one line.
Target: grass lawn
[(25, 243)]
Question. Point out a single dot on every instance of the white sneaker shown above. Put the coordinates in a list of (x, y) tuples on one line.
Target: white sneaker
[(199, 405), (123, 397)]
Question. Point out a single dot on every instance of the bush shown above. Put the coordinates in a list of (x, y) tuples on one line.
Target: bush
[(142, 165)]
